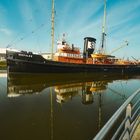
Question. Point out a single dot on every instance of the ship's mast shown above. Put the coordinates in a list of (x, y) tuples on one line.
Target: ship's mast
[(100, 111), (52, 31), (103, 30)]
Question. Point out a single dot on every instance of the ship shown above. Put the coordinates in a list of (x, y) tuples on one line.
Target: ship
[(69, 59)]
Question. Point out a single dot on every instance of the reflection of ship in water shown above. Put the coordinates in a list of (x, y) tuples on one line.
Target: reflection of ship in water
[(65, 86), (84, 89), (87, 95), (17, 90), (67, 91), (91, 88), (64, 92)]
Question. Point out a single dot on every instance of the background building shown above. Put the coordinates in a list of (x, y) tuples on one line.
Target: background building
[(2, 54)]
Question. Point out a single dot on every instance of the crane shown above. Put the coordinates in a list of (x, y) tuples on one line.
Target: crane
[(116, 49), (135, 58)]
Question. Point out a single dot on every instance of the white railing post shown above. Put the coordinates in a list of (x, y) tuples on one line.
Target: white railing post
[(126, 136), (128, 123), (128, 115)]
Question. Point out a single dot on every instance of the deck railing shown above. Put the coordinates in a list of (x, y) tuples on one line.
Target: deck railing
[(127, 127)]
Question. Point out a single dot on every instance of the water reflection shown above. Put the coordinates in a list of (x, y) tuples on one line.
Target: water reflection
[(74, 106), (66, 86)]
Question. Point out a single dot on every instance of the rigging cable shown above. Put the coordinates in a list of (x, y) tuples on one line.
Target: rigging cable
[(14, 42), (118, 93)]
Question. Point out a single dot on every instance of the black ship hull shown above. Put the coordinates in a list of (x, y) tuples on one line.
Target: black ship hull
[(21, 62)]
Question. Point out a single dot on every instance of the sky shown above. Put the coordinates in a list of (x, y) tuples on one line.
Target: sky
[(26, 24)]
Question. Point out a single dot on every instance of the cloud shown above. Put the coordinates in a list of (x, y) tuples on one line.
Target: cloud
[(79, 21), (122, 14), (6, 31)]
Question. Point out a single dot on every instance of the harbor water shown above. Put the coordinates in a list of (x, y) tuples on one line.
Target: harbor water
[(60, 106)]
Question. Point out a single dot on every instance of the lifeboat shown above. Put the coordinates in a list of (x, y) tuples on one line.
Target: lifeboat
[(102, 56)]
